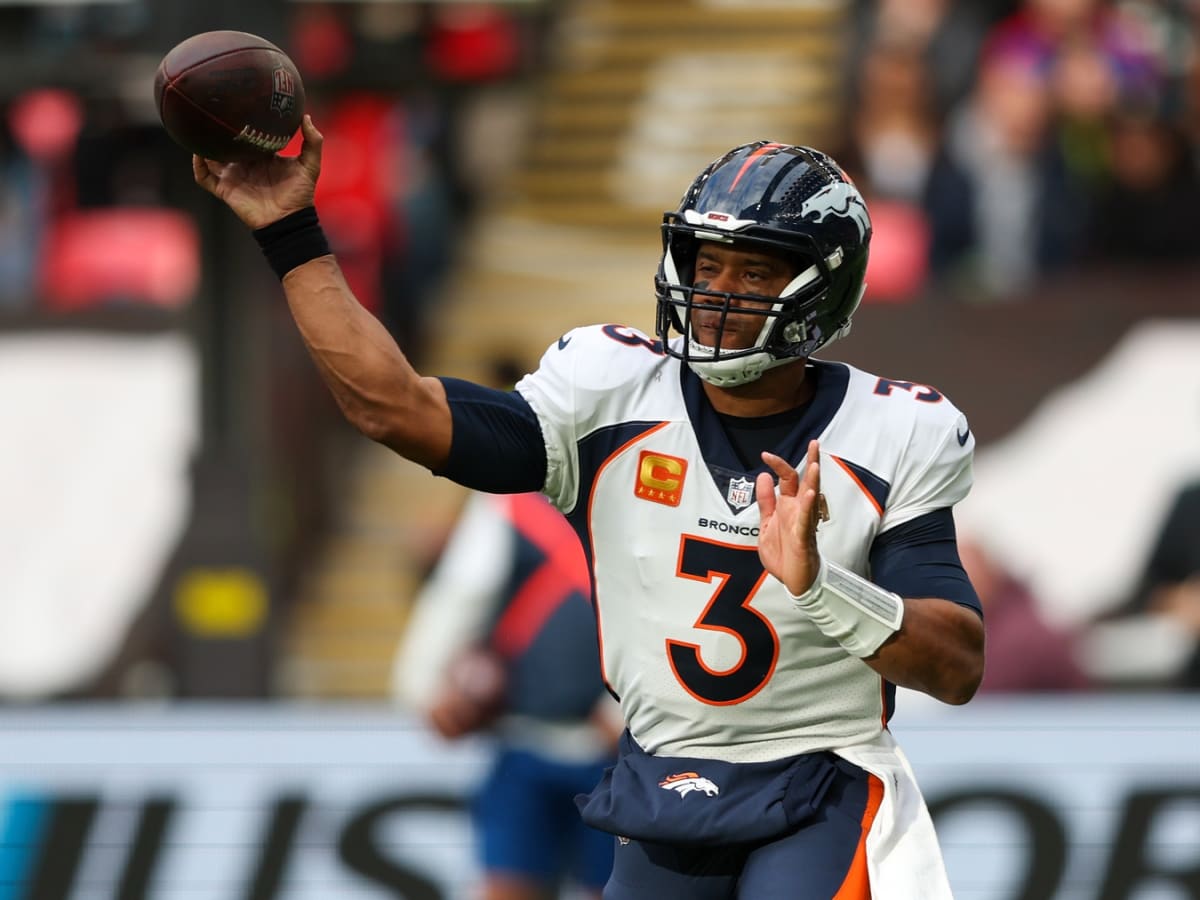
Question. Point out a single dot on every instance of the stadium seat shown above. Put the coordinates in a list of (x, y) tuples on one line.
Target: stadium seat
[(898, 266), (98, 257)]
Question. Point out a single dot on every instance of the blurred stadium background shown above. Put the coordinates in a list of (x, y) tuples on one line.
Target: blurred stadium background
[(204, 575)]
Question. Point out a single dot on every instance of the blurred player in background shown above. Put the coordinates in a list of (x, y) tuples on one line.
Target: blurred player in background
[(503, 640), (770, 536), (1163, 611), (1170, 584)]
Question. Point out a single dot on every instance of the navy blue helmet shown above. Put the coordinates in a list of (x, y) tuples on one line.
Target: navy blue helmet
[(780, 197)]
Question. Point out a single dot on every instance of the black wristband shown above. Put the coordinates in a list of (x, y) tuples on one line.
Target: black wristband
[(292, 241)]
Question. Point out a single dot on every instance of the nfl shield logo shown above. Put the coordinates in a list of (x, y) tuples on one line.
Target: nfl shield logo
[(741, 492), (283, 91)]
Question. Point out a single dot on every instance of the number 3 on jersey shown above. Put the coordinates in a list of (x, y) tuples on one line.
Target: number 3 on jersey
[(737, 573)]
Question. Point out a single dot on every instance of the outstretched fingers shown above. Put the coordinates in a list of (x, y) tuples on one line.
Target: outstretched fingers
[(792, 482), (812, 468), (764, 492), (810, 492), (789, 478), (804, 485), (788, 519)]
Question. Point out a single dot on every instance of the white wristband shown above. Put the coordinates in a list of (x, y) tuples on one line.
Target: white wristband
[(856, 613)]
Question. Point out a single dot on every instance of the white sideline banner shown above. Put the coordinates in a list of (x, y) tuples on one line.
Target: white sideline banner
[(1057, 798)]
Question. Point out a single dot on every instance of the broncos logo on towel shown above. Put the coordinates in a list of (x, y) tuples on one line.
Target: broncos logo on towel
[(684, 783)]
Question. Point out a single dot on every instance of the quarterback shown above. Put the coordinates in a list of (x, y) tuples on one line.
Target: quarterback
[(770, 535)]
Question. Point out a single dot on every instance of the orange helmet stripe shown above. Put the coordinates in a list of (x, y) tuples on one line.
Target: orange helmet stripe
[(761, 151)]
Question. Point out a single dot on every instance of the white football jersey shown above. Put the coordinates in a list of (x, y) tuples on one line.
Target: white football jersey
[(704, 649)]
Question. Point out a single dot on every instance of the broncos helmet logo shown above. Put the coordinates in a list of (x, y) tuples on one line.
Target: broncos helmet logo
[(839, 199), (685, 783)]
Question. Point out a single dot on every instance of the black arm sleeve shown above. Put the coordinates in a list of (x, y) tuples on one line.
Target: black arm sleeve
[(496, 442), (920, 559)]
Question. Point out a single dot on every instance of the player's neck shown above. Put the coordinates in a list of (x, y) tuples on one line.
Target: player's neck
[(776, 391)]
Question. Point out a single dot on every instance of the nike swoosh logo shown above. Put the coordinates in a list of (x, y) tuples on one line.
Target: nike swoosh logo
[(963, 435), (562, 342)]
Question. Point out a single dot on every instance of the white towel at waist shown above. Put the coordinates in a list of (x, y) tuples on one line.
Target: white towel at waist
[(904, 860)]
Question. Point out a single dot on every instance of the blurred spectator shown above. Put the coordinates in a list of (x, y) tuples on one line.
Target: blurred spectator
[(1084, 91), (893, 137), (1029, 159), (946, 35), (894, 130), (1149, 208), (1094, 58), (1000, 201), (1024, 652), (1039, 30)]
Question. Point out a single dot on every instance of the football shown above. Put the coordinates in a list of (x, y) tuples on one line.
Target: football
[(229, 96)]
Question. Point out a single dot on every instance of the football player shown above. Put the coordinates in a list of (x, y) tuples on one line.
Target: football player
[(501, 640), (770, 536)]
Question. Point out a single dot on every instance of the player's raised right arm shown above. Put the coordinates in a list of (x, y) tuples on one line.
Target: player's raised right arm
[(377, 389)]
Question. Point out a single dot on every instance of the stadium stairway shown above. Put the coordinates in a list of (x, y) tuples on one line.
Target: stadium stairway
[(637, 96)]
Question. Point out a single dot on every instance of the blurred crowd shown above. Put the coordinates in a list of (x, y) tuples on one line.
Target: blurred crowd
[(1018, 140), (1012, 140), (999, 143)]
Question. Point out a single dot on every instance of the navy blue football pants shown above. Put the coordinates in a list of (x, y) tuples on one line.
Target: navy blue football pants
[(824, 859)]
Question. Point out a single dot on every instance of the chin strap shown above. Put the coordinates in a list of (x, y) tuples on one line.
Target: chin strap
[(857, 613), (740, 370)]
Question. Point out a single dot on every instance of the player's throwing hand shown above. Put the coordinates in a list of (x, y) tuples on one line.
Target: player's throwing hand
[(787, 538), (263, 192)]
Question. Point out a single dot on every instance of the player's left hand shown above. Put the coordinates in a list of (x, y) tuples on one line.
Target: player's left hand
[(787, 537)]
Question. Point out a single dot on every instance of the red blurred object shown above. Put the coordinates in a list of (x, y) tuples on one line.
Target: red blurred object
[(899, 260), (472, 42), (101, 256), (46, 123), (321, 44), (361, 171)]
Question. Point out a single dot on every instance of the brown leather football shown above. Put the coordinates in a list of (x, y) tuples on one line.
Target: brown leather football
[(229, 96)]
